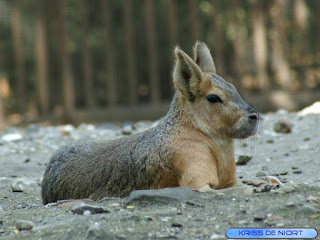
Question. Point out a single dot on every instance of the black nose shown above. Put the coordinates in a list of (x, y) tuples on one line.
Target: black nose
[(253, 117)]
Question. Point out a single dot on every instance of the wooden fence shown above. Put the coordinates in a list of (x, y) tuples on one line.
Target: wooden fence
[(112, 60)]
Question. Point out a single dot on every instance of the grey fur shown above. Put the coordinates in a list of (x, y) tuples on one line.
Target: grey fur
[(96, 169)]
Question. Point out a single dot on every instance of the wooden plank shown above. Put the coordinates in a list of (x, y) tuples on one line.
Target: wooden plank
[(152, 52), (110, 58), (65, 63), (130, 46), (19, 55), (173, 23), (41, 58), (193, 8), (86, 55), (217, 29)]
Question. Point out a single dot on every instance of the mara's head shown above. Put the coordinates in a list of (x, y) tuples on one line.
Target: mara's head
[(215, 106)]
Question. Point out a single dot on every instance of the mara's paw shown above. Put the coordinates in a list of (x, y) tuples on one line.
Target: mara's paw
[(205, 189)]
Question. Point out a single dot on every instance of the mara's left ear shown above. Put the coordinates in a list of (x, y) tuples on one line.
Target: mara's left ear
[(203, 58), (187, 75)]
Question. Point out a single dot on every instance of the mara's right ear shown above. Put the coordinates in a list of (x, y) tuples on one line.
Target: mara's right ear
[(203, 58), (187, 75)]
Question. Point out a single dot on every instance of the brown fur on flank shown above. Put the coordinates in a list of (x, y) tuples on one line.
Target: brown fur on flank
[(191, 146)]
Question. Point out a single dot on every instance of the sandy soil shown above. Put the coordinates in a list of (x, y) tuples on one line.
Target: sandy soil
[(294, 158)]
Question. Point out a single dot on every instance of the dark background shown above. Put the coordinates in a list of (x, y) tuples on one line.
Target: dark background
[(110, 60)]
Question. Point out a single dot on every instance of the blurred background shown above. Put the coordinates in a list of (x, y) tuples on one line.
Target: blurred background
[(111, 60)]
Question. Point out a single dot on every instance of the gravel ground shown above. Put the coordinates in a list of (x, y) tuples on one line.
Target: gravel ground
[(281, 165)]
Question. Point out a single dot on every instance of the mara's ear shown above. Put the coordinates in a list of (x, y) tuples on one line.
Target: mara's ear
[(187, 75), (203, 58)]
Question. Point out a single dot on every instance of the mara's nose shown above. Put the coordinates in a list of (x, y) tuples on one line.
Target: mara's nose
[(253, 117)]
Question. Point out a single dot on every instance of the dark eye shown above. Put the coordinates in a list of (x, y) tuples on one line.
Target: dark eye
[(214, 98)]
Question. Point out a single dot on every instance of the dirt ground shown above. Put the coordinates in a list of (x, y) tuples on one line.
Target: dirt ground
[(293, 158)]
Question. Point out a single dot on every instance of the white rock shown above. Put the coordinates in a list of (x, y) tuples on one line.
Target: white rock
[(313, 109), (11, 137)]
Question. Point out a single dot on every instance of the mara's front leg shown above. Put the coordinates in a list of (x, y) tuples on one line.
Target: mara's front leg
[(198, 172)]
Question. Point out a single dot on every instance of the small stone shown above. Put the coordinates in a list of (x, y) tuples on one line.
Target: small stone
[(86, 213), (243, 159), (217, 236), (257, 182), (297, 171), (259, 217), (284, 173), (127, 128), (261, 174), (12, 137), (306, 139), (94, 209), (27, 160), (176, 225), (270, 141), (166, 195), (24, 225), (273, 220), (17, 186), (266, 188), (294, 168), (242, 222), (283, 127)]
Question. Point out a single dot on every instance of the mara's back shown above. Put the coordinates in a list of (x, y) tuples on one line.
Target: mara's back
[(96, 169)]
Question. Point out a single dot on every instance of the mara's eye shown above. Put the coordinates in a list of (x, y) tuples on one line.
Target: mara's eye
[(214, 98)]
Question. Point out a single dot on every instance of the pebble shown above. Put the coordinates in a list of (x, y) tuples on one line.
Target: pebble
[(257, 182), (243, 159), (127, 129), (259, 217), (94, 209), (86, 213), (273, 220), (261, 174), (297, 171), (217, 236), (24, 225), (17, 187), (266, 188), (283, 127), (12, 137), (242, 222)]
